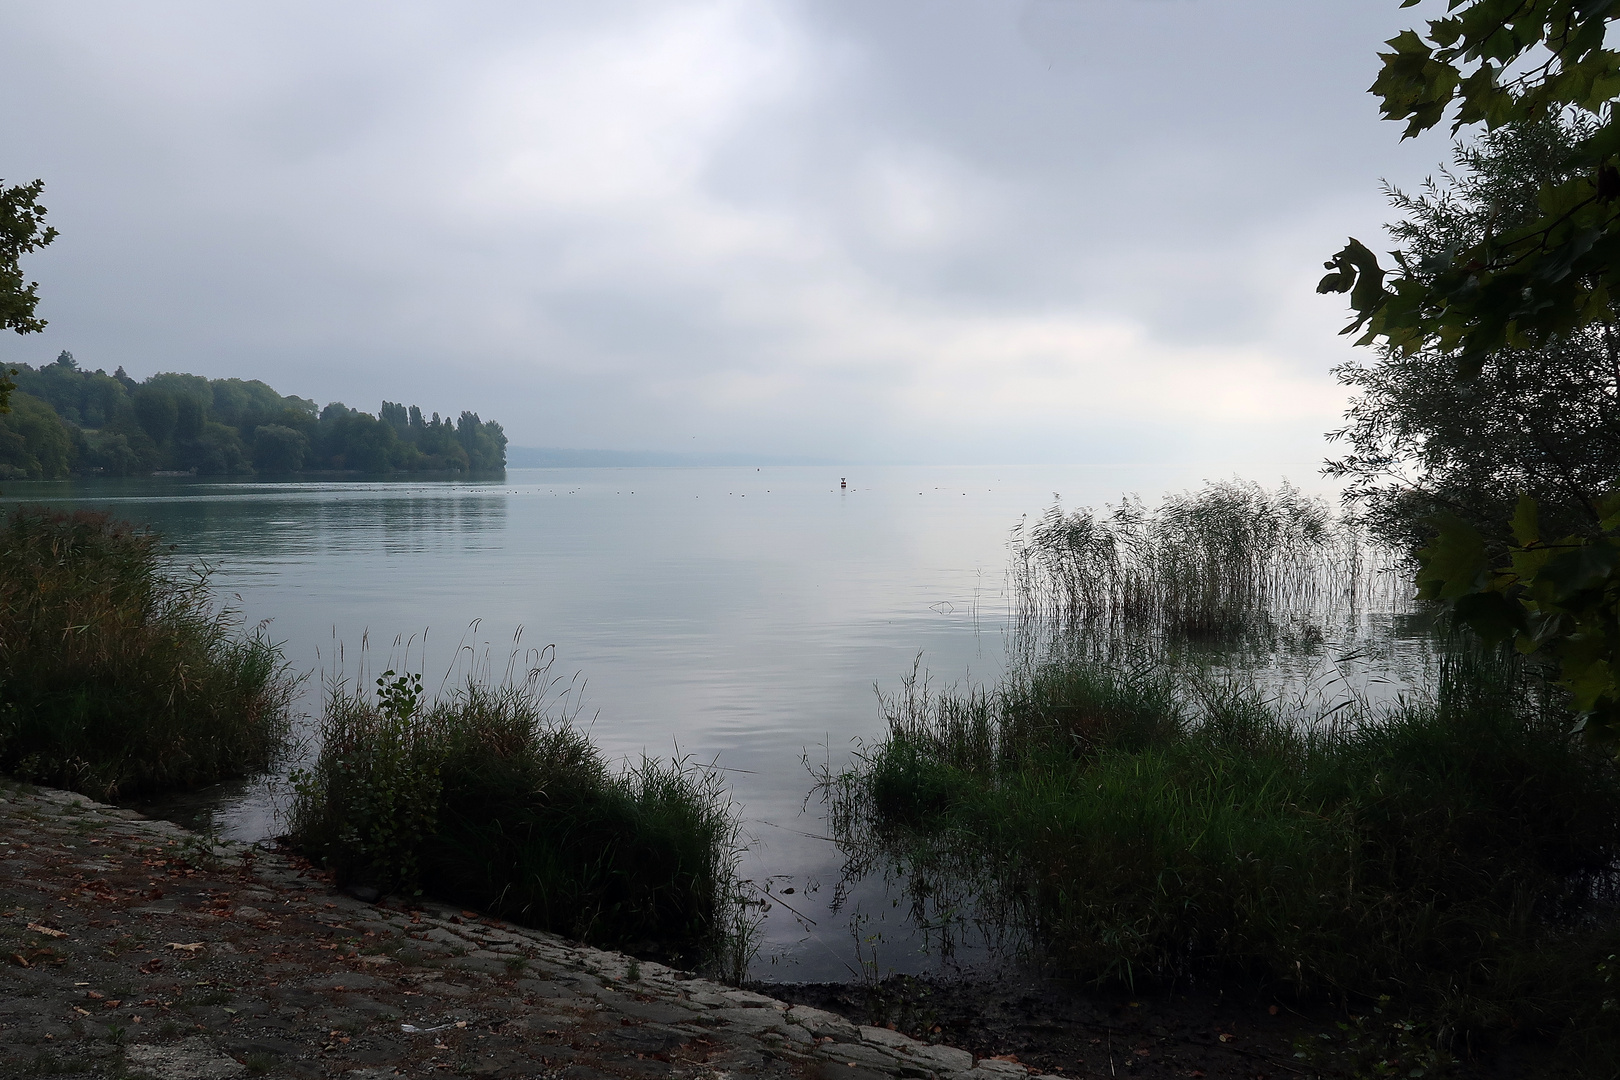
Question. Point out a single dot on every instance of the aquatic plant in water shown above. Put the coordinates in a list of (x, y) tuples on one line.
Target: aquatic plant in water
[(1230, 559)]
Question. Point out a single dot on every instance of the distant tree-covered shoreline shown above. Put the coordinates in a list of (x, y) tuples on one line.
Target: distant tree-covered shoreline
[(69, 421)]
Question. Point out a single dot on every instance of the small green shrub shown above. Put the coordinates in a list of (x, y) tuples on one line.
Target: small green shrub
[(372, 799), (483, 799), (118, 676)]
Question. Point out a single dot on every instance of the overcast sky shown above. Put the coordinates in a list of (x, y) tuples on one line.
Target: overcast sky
[(930, 230)]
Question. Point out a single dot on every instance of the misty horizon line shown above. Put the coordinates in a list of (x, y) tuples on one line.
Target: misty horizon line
[(530, 457), (533, 457)]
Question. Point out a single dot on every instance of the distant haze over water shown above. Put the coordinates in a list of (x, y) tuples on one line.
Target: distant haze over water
[(519, 457)]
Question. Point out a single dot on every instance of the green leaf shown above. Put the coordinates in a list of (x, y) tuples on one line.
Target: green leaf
[(1355, 267), (1408, 43), (1526, 563), (1443, 31), (1454, 564), (1609, 511), (1526, 530), (1589, 566), (1336, 282), (1589, 684)]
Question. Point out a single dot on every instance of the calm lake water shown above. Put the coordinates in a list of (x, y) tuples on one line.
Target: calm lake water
[(740, 617)]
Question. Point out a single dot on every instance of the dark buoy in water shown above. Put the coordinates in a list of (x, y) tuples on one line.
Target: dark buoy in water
[(843, 483)]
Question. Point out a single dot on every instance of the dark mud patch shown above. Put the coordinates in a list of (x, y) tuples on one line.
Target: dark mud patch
[(1234, 1030)]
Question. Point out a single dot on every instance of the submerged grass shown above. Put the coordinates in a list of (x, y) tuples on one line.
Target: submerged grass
[(1457, 854), (117, 676), (482, 797)]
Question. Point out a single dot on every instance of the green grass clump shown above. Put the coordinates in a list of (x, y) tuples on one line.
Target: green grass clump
[(1448, 853), (117, 676), (483, 799)]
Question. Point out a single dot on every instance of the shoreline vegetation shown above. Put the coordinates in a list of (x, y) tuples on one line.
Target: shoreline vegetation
[(119, 676), (487, 798), (1122, 819), (67, 421), (1453, 858), (1229, 563)]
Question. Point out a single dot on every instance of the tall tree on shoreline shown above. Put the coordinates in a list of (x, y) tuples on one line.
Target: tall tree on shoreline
[(1538, 273), (1541, 419), (22, 230)]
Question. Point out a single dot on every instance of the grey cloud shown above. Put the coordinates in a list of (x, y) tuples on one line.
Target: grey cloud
[(813, 228)]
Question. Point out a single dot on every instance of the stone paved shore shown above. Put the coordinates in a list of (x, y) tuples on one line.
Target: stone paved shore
[(134, 948)]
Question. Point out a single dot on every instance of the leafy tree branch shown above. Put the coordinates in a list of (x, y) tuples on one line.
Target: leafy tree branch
[(22, 231), (1527, 278)]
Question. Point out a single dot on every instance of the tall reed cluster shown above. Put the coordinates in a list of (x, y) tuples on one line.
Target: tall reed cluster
[(119, 676), (483, 798), (1452, 853), (1217, 562)]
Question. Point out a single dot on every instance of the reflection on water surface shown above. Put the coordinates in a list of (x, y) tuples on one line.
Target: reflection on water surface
[(737, 616)]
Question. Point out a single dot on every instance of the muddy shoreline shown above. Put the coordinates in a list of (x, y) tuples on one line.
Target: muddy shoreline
[(1230, 1028)]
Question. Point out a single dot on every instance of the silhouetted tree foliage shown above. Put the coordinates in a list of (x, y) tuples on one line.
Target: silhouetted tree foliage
[(1540, 417), (1542, 274), (66, 420)]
